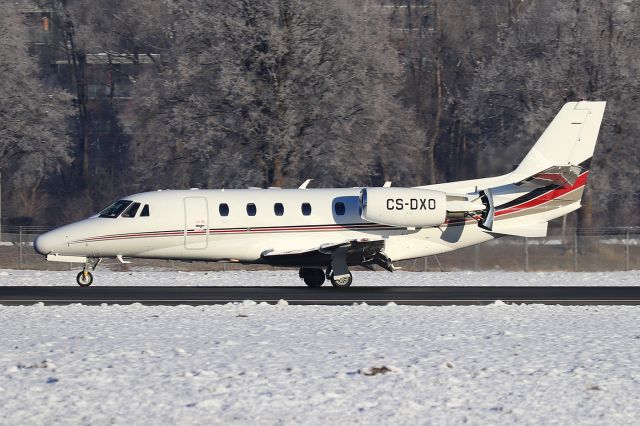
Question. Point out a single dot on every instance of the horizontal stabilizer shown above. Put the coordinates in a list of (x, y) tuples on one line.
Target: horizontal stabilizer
[(520, 230)]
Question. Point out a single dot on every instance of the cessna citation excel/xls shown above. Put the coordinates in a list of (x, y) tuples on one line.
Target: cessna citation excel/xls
[(325, 231)]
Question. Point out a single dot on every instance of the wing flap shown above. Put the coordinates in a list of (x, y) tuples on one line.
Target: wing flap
[(363, 252), (324, 248)]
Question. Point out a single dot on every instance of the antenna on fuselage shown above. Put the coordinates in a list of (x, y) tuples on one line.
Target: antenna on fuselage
[(305, 184), (387, 184)]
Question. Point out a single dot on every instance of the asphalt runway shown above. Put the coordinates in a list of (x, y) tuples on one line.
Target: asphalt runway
[(434, 296)]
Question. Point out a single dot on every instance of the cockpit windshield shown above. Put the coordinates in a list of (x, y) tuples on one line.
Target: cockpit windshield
[(115, 209)]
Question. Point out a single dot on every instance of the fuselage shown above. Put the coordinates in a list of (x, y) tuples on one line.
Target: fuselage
[(242, 225)]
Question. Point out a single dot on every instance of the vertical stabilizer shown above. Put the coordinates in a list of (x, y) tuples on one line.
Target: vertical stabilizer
[(569, 140), (550, 180)]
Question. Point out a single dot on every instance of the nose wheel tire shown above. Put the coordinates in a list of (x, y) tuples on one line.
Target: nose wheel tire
[(313, 277), (84, 278), (342, 281)]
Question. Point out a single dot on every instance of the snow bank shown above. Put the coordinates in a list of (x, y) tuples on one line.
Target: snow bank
[(248, 363), (251, 363)]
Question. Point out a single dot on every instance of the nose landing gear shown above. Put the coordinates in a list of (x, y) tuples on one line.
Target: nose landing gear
[(85, 278)]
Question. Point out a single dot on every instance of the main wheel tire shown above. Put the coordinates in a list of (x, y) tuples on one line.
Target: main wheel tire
[(84, 280), (343, 282), (313, 277)]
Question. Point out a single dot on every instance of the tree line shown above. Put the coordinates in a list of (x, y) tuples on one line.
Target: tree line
[(270, 93)]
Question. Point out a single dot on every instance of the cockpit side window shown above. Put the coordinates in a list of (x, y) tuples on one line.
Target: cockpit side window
[(145, 210), (115, 209), (132, 210)]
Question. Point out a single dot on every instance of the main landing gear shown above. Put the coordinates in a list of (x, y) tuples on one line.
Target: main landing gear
[(314, 277), (338, 272), (85, 278), (341, 281)]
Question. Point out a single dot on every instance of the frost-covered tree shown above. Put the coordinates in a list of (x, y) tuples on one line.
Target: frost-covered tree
[(34, 141), (270, 93), (554, 54), (442, 43)]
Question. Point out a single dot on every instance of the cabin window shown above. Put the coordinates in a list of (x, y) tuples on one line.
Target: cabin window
[(278, 209), (115, 209), (339, 209), (132, 210), (251, 209), (306, 209), (145, 210), (223, 208)]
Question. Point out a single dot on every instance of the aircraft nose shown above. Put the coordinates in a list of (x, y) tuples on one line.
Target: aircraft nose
[(44, 243)]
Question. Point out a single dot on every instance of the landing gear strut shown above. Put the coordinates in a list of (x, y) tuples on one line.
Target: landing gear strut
[(338, 272), (85, 278), (313, 277)]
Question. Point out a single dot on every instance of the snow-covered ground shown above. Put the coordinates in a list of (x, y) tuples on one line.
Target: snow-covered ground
[(282, 364), (105, 277)]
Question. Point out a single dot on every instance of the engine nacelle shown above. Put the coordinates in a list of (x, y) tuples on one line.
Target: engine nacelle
[(411, 207)]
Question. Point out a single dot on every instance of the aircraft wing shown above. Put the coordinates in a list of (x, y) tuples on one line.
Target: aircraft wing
[(325, 248), (364, 252), (303, 250)]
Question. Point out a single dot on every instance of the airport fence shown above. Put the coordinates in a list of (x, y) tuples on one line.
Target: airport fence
[(602, 249)]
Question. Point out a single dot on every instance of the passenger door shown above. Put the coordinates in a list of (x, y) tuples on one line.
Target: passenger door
[(196, 223)]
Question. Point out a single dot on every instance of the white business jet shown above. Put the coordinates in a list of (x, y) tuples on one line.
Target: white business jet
[(325, 231)]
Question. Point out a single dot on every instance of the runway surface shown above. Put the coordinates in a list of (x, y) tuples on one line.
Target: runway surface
[(435, 296)]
